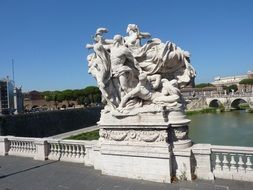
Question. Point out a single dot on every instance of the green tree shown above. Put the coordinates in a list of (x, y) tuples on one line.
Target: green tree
[(90, 94), (231, 87), (246, 81), (203, 85)]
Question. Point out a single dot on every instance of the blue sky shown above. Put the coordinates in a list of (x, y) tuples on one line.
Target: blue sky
[(47, 38)]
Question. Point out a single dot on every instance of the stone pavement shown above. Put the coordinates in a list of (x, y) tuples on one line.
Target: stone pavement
[(17, 173), (75, 132)]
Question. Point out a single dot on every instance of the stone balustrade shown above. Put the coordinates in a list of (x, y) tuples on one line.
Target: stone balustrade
[(207, 161), (52, 149), (21, 147), (66, 150), (231, 162)]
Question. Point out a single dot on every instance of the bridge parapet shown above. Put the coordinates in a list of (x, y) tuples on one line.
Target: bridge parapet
[(227, 162), (231, 162)]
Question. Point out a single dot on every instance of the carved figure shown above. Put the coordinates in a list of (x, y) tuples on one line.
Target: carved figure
[(132, 76), (170, 94)]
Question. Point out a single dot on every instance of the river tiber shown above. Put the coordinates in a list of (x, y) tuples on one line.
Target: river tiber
[(143, 128)]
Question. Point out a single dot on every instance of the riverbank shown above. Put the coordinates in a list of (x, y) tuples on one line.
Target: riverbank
[(214, 110), (205, 110)]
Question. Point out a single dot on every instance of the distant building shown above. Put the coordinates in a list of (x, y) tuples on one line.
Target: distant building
[(34, 101), (18, 100), (221, 82), (226, 81), (11, 99)]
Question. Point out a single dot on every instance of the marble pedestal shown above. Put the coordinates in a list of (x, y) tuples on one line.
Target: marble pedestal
[(141, 146)]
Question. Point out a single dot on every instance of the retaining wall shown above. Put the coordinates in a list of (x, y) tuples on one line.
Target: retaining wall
[(44, 124)]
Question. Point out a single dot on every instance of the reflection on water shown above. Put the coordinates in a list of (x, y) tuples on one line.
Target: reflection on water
[(229, 128)]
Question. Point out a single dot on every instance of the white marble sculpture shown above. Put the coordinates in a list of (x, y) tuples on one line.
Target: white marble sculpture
[(135, 78)]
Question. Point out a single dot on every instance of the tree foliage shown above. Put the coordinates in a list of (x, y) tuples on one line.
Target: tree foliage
[(203, 85), (246, 81), (230, 88), (86, 96)]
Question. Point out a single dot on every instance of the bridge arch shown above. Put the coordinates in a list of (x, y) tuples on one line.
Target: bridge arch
[(236, 102), (215, 103)]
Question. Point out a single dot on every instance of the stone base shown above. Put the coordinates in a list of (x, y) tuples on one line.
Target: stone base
[(181, 164), (140, 146), (138, 161)]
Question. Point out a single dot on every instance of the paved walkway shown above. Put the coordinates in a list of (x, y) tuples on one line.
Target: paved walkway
[(76, 132), (18, 173)]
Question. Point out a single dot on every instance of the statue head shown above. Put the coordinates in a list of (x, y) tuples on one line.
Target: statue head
[(99, 34), (118, 39), (90, 58), (132, 27)]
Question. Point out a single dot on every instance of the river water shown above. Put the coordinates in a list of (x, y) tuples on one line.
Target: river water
[(228, 128)]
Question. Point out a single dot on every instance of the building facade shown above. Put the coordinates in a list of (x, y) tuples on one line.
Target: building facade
[(221, 82), (11, 98)]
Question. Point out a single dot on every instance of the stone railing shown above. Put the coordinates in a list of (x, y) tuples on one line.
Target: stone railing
[(226, 162), (66, 150), (21, 147), (231, 162), (207, 161), (52, 149)]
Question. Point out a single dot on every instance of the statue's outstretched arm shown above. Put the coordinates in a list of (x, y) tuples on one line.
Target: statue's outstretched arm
[(89, 46), (144, 35)]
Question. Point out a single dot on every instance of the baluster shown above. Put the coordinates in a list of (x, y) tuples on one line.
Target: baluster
[(78, 151), (63, 148), (65, 154), (225, 162), (69, 151), (217, 162), (53, 149), (59, 150), (14, 145), (240, 163), (82, 151), (248, 163), (56, 150), (29, 148), (11, 145), (233, 163), (19, 146), (22, 146), (33, 147), (51, 153), (74, 151), (25, 146)]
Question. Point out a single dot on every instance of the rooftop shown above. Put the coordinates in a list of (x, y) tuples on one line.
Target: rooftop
[(17, 173)]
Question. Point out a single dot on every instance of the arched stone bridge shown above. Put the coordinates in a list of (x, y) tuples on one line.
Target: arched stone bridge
[(230, 101)]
